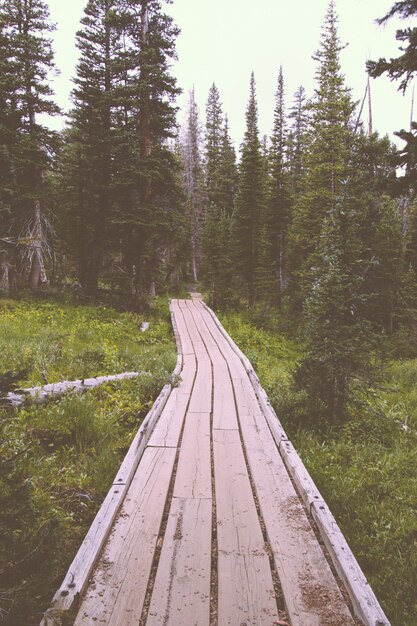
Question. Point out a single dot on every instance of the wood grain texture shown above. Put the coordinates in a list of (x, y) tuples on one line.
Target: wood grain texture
[(181, 594), (168, 428), (311, 594), (224, 409), (185, 341), (193, 479), (117, 591), (245, 587), (365, 602)]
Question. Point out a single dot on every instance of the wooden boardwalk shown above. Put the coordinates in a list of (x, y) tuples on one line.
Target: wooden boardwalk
[(211, 530)]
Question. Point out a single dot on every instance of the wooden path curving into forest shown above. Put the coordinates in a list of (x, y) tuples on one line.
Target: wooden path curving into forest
[(210, 518)]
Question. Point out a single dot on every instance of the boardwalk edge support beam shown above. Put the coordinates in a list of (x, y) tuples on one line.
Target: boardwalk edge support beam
[(75, 582), (364, 601)]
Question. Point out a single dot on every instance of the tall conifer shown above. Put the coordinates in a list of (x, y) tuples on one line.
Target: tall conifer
[(126, 192), (194, 183), (250, 203), (326, 159), (220, 185), (279, 196), (299, 117), (27, 63)]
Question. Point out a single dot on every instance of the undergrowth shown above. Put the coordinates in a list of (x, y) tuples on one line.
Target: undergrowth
[(57, 461), (365, 468)]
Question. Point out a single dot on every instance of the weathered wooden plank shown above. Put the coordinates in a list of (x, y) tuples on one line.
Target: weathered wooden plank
[(246, 593), (311, 594), (236, 368), (181, 594), (365, 603), (80, 570), (201, 395), (224, 410), (363, 598), (198, 344), (137, 447), (193, 479), (181, 328), (168, 428), (247, 402), (167, 431), (117, 590), (240, 367), (179, 364), (302, 479)]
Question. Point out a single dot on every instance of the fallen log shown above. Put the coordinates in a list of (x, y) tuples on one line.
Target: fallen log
[(40, 395)]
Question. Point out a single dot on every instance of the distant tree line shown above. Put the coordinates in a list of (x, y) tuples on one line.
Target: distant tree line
[(314, 221)]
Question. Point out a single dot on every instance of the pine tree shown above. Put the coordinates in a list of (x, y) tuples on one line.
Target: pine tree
[(8, 132), (91, 137), (220, 186), (27, 60), (213, 146), (126, 202), (297, 153), (158, 215), (378, 221), (227, 172), (337, 334), (194, 183), (279, 195), (326, 158), (403, 67), (250, 206)]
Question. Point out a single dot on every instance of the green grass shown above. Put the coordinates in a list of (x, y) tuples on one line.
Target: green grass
[(57, 461), (70, 342), (365, 469)]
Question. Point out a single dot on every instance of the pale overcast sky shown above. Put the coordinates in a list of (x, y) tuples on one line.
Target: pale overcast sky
[(222, 41)]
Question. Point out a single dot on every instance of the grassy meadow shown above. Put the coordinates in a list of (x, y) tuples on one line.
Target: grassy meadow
[(58, 460)]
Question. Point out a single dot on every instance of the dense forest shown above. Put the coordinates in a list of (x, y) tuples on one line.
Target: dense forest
[(310, 232)]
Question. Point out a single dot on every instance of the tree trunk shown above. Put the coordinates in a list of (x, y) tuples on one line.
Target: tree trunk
[(37, 275), (5, 276)]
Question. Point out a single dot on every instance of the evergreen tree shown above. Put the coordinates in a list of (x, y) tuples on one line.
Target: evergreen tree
[(337, 335), (213, 146), (297, 153), (403, 67), (220, 185), (250, 207), (227, 172), (27, 61), (126, 194), (159, 221), (326, 159), (279, 196), (194, 183), (378, 234), (91, 138)]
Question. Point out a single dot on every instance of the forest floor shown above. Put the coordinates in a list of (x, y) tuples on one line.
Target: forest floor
[(57, 461), (365, 468)]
